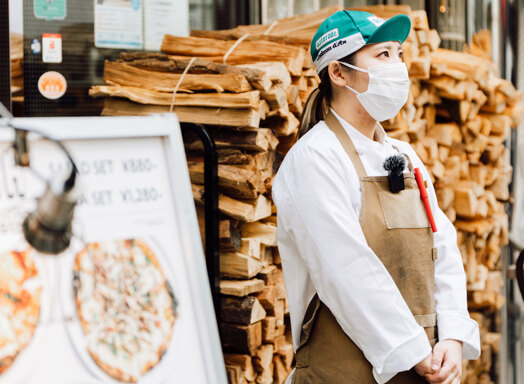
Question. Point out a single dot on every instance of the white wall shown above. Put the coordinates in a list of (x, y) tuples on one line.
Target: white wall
[(16, 23)]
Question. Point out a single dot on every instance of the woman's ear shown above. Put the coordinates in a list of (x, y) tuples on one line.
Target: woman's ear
[(336, 74)]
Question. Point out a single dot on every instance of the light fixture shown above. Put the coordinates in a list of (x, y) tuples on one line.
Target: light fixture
[(49, 228), (442, 7)]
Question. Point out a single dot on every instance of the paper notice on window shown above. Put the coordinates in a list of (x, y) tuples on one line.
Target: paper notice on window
[(164, 16), (118, 24)]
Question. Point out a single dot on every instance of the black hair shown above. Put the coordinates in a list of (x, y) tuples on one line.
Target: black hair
[(318, 101)]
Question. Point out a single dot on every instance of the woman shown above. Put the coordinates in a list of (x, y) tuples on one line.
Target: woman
[(367, 279)]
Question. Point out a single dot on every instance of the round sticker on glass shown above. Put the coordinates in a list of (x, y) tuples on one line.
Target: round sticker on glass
[(36, 47), (52, 85)]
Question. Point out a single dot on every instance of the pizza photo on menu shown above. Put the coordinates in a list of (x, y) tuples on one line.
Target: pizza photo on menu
[(19, 304), (125, 305)]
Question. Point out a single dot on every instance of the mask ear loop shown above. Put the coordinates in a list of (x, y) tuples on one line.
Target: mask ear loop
[(357, 69)]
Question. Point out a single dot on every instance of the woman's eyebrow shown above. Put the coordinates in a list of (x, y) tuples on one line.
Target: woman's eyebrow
[(388, 47)]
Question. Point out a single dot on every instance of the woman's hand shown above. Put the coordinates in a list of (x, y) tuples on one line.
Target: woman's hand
[(446, 362), (424, 367)]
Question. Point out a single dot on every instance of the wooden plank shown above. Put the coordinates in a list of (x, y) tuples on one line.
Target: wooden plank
[(237, 118), (146, 96), (125, 74)]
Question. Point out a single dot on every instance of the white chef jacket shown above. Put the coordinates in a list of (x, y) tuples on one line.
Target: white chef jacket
[(323, 250)]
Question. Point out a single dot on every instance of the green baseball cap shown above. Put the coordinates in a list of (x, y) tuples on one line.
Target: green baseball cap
[(345, 32)]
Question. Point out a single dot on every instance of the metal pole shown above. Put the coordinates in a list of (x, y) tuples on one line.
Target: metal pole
[(5, 60), (212, 250)]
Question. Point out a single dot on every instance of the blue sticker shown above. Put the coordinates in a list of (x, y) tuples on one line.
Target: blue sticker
[(135, 4), (36, 47)]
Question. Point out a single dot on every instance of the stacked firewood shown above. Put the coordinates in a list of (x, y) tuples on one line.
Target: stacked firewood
[(16, 48), (458, 117), (249, 97), (248, 85)]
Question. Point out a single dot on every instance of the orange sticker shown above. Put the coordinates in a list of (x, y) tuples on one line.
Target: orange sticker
[(52, 85)]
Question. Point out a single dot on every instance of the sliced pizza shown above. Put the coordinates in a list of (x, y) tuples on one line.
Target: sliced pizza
[(19, 304), (125, 305)]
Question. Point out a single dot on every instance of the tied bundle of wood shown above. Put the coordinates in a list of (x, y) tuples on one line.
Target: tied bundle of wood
[(457, 118), (16, 48)]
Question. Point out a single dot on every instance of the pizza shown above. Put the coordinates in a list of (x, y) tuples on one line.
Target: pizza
[(19, 304), (125, 305)]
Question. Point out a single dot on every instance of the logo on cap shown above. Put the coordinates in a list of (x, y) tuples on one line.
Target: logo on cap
[(328, 36), (376, 20)]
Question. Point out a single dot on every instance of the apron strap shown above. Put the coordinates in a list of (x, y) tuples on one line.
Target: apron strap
[(333, 124)]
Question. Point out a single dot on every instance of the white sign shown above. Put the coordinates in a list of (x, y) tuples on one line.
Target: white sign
[(164, 17), (118, 24), (129, 301), (52, 48)]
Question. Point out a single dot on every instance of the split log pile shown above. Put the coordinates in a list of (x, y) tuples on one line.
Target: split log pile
[(16, 48), (250, 103), (457, 118)]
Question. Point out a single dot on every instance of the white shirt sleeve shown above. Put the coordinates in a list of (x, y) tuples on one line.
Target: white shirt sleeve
[(451, 304), (347, 275)]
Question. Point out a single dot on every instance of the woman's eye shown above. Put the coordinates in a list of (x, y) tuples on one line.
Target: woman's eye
[(385, 53), (400, 55)]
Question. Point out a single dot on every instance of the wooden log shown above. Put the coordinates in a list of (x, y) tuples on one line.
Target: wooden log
[(241, 288), (246, 210), (303, 26), (269, 328), (251, 247), (245, 363), (263, 357), (127, 75), (164, 63), (276, 72), (276, 97), (471, 65), (232, 180), (229, 236), (259, 140), (234, 374), (286, 353), (264, 232), (268, 299), (249, 99), (420, 68), (246, 52), (238, 266), (241, 338), (246, 310), (237, 118), (419, 18), (445, 134), (281, 373)]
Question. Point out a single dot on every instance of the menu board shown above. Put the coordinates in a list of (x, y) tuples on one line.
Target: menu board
[(129, 300), (118, 24)]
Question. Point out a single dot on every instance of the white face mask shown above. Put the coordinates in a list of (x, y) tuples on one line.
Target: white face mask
[(387, 91)]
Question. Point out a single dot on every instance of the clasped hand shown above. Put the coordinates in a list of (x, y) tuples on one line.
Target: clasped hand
[(444, 364)]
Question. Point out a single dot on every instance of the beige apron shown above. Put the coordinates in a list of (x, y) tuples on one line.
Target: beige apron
[(397, 229)]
